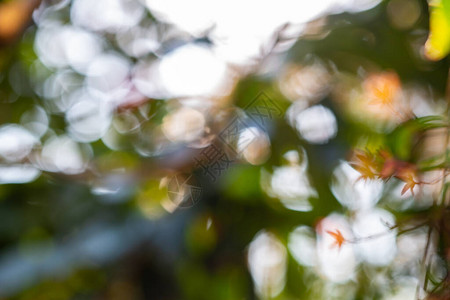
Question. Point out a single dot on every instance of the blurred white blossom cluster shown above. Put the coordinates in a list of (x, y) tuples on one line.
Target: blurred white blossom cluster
[(96, 58)]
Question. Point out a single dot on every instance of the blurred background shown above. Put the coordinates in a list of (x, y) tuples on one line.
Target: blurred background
[(166, 149)]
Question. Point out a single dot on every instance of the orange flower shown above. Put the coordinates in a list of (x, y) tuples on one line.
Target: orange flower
[(338, 237), (366, 164), (382, 88), (408, 175), (384, 166), (389, 169)]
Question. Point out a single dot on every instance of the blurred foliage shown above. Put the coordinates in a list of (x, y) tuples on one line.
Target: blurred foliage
[(438, 44), (111, 229)]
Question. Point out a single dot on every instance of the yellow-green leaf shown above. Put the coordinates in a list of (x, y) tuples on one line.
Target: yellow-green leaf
[(438, 43)]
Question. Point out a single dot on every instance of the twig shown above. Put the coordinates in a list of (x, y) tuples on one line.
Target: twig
[(424, 262), (375, 236)]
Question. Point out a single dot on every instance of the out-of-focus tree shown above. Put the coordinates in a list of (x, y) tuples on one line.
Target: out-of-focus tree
[(164, 149)]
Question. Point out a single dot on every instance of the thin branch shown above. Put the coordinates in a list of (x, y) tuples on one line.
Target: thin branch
[(424, 262), (381, 234)]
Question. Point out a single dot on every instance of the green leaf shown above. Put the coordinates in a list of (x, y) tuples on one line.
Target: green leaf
[(435, 162), (431, 122), (438, 44), (401, 140)]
